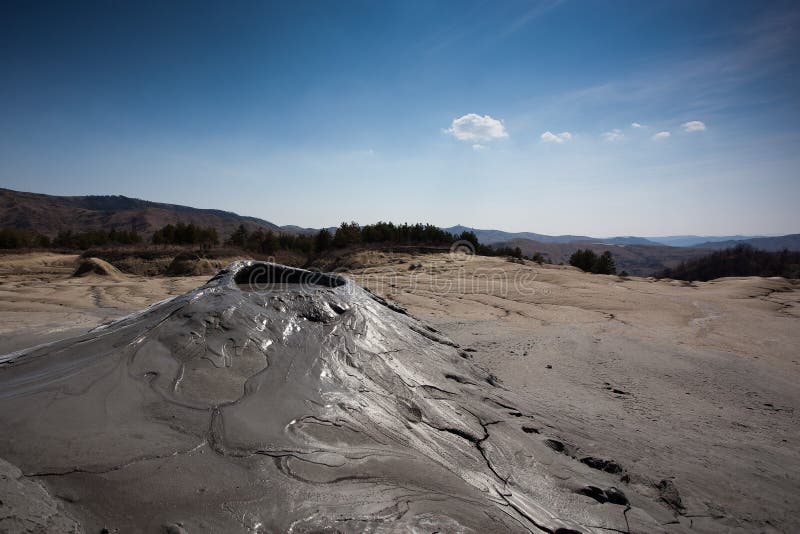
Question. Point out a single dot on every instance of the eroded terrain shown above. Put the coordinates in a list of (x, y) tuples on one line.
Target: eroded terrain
[(693, 384), (564, 401)]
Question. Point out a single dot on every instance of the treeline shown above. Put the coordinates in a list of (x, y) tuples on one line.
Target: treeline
[(269, 242), (171, 234), (264, 241), (590, 262), (386, 232), (95, 238), (352, 234), (185, 234), (741, 260), (346, 235), (13, 238), (405, 234)]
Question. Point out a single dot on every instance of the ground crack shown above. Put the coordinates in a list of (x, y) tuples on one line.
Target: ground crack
[(77, 470)]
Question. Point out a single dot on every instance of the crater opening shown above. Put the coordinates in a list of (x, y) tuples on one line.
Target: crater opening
[(271, 276)]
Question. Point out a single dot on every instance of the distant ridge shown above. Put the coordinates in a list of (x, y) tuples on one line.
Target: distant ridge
[(770, 244), (710, 242), (50, 214), (695, 240), (499, 236)]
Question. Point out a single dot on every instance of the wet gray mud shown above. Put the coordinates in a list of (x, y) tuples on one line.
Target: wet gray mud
[(273, 399)]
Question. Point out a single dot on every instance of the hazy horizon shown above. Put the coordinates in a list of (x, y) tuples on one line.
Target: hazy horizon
[(554, 117)]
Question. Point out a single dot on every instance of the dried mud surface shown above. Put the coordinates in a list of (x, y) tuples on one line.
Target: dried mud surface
[(688, 391), (527, 399)]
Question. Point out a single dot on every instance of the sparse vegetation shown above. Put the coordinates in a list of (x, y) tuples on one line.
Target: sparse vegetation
[(741, 260)]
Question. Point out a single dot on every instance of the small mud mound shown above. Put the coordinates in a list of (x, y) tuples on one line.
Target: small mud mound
[(96, 266), (191, 264)]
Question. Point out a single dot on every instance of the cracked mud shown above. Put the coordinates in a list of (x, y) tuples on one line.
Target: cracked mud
[(272, 399)]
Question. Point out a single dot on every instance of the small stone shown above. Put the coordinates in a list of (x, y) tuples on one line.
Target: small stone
[(548, 366)]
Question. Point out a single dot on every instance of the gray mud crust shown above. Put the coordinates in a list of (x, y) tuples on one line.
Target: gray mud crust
[(273, 399)]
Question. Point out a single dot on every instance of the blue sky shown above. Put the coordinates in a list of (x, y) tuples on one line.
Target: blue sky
[(594, 118)]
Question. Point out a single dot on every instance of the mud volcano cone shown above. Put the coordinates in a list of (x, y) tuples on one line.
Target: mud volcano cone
[(274, 399)]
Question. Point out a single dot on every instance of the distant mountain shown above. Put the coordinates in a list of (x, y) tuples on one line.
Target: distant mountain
[(693, 240), (626, 240), (494, 237), (49, 214), (636, 259), (293, 229), (771, 244), (489, 237)]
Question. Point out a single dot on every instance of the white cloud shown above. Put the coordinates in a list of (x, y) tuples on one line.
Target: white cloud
[(478, 146), (473, 127), (614, 135), (693, 126), (661, 135), (636, 125), (550, 137)]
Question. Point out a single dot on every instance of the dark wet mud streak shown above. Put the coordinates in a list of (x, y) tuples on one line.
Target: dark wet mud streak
[(273, 400)]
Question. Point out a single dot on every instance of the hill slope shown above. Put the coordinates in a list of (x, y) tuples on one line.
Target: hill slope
[(741, 260), (490, 237), (48, 214), (638, 260), (701, 240), (770, 244)]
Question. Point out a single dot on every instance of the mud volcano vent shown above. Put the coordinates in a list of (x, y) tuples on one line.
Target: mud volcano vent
[(274, 399)]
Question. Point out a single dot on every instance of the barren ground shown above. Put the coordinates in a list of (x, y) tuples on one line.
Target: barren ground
[(696, 384)]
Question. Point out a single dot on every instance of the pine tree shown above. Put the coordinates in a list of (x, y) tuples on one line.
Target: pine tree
[(604, 264)]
